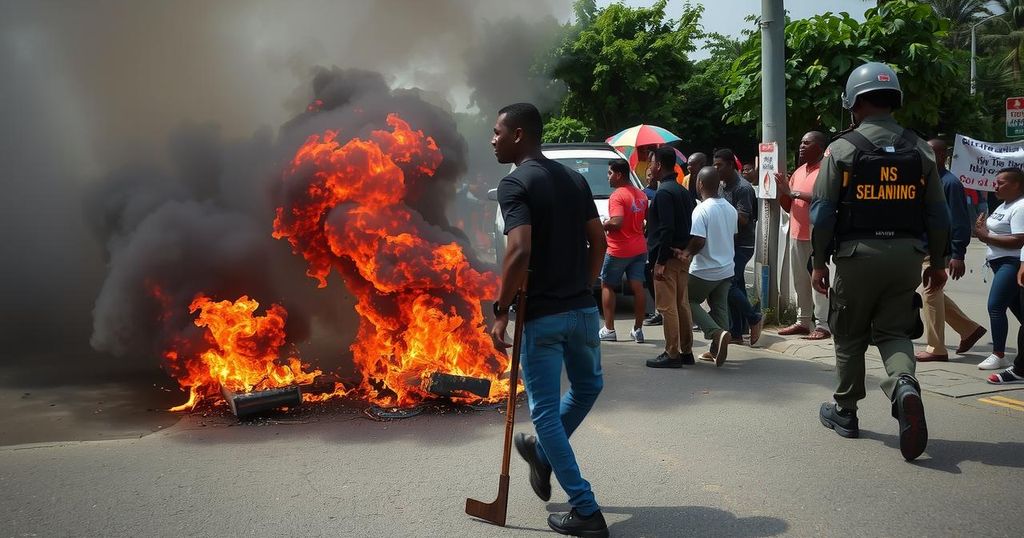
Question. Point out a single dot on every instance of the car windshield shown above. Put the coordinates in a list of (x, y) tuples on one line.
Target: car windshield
[(595, 169)]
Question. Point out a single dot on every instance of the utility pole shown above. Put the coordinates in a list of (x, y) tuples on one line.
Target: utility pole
[(974, 48), (773, 129)]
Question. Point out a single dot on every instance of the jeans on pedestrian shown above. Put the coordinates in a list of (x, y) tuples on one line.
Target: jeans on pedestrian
[(649, 282), (568, 338), (741, 312), (1003, 294), (1018, 363)]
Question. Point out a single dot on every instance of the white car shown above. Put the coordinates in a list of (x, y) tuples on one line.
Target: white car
[(591, 161)]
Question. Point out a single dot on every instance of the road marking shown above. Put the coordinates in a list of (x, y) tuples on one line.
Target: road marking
[(1001, 401), (1008, 400)]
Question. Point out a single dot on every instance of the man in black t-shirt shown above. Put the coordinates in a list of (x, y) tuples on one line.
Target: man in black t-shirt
[(740, 193), (554, 232)]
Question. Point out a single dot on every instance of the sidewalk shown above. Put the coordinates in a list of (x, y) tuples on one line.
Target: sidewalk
[(958, 378)]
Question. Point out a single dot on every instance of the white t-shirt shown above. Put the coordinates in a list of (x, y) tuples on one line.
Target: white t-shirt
[(714, 219), (1007, 219)]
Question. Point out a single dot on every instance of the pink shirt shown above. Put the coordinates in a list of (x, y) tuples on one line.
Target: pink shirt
[(802, 181), (630, 203)]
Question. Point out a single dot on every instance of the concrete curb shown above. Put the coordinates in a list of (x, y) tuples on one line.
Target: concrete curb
[(958, 378)]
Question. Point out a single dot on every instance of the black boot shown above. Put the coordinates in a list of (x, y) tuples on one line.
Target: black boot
[(540, 471), (844, 421), (665, 361), (574, 524), (908, 409)]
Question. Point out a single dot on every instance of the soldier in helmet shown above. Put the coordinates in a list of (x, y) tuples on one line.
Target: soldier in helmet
[(877, 195)]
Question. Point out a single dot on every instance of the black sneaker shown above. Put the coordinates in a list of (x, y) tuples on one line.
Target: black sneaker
[(666, 361), (687, 359), (540, 471), (654, 320), (844, 421), (908, 409), (574, 524)]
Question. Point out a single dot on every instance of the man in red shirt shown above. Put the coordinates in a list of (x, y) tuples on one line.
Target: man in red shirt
[(627, 249), (795, 198)]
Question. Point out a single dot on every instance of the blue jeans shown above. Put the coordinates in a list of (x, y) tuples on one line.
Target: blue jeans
[(741, 312), (548, 342), (1003, 294)]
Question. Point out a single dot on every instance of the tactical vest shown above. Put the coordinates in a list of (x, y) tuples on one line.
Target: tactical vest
[(883, 190)]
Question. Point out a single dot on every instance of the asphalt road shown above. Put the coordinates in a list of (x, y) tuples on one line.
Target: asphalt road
[(734, 451)]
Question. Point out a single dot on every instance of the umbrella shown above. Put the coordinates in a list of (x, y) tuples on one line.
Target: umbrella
[(641, 135)]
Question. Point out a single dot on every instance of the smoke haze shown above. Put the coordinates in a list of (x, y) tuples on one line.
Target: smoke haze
[(141, 143)]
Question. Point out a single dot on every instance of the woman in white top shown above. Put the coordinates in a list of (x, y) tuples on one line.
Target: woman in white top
[(1003, 232)]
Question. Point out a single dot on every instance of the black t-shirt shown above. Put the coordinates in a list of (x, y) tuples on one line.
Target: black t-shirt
[(743, 197), (557, 203)]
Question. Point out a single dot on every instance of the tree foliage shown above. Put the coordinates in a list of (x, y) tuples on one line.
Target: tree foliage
[(701, 108), (566, 129), (823, 50), (623, 65)]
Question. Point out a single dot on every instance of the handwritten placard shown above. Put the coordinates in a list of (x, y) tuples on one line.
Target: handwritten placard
[(976, 162)]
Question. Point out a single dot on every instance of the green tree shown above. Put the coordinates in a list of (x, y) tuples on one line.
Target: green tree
[(822, 51), (701, 112), (622, 66), (566, 129), (960, 14), (1007, 35)]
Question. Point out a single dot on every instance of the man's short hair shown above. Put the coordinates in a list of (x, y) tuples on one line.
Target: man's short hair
[(526, 117), (726, 155), (619, 166), (819, 138), (666, 157), (1017, 173), (708, 177)]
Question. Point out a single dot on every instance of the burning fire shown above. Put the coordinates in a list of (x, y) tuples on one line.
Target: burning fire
[(417, 295), (242, 351)]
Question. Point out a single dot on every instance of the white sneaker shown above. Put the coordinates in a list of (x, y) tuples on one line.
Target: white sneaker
[(994, 362), (607, 335), (637, 335)]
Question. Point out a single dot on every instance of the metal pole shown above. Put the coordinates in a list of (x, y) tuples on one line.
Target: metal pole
[(973, 52), (974, 48), (773, 129)]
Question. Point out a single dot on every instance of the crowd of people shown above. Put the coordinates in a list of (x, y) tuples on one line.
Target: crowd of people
[(876, 209)]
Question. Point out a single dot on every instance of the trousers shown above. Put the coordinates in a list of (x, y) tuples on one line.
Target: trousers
[(872, 301), (549, 342)]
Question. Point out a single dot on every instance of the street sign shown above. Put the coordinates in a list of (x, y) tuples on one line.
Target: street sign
[(768, 164), (1015, 116)]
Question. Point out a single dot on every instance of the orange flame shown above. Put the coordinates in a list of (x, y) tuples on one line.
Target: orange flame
[(418, 298), (242, 354)]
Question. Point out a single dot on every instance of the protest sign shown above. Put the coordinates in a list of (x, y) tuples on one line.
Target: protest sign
[(1015, 117), (768, 157), (976, 163)]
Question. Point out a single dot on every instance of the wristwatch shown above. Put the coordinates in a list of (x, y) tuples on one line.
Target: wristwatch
[(499, 310)]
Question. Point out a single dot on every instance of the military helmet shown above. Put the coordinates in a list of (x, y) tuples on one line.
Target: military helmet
[(872, 76)]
